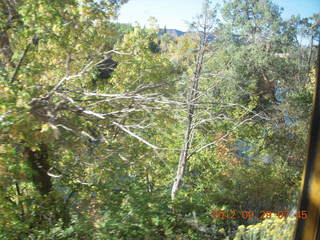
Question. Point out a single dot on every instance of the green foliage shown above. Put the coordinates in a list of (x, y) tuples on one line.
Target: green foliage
[(258, 19), (138, 65)]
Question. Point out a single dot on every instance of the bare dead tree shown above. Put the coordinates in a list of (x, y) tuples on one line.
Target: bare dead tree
[(204, 26)]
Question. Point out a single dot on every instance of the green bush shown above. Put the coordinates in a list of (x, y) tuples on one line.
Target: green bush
[(269, 229)]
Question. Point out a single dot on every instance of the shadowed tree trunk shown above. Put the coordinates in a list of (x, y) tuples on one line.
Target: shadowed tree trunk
[(38, 161), (9, 16)]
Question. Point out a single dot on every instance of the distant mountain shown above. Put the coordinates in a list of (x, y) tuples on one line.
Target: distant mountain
[(172, 32), (177, 33)]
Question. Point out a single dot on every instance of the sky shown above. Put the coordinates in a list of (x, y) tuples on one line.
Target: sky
[(176, 13)]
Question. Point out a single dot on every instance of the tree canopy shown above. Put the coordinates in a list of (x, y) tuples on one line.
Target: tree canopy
[(109, 131)]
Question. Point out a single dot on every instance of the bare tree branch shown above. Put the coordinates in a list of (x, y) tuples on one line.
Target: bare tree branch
[(16, 70), (135, 135)]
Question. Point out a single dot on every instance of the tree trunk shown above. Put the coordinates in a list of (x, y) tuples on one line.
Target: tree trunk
[(10, 15), (38, 161), (310, 53)]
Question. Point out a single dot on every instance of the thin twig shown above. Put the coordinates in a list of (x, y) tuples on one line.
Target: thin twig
[(15, 73)]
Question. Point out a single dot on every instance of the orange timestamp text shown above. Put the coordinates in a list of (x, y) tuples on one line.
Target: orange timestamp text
[(248, 214)]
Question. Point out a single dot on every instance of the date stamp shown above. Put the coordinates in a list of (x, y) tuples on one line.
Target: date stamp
[(248, 214)]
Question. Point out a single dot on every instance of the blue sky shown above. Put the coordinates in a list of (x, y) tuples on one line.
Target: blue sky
[(175, 13)]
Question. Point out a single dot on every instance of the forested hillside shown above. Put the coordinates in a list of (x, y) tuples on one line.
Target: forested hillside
[(112, 131)]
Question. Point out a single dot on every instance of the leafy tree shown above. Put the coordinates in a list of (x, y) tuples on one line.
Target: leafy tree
[(44, 44)]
